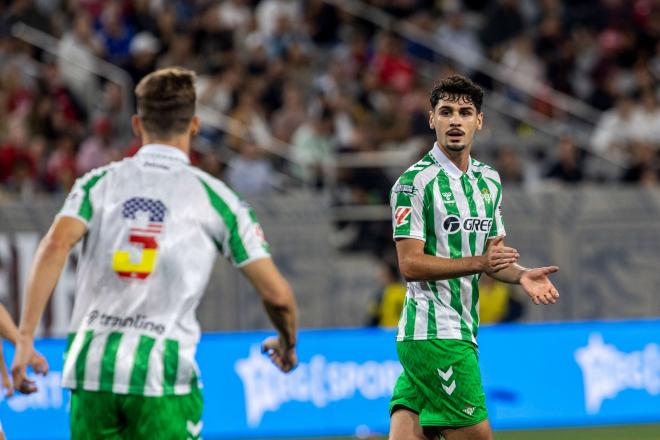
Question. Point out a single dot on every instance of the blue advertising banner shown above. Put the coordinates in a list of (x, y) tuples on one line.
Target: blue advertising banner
[(546, 375)]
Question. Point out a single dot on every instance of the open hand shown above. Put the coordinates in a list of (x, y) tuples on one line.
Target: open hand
[(283, 357), (538, 286)]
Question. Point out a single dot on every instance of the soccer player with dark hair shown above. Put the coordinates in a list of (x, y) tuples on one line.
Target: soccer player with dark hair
[(448, 231), (151, 226)]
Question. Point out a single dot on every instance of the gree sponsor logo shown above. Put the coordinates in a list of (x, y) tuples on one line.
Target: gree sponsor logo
[(608, 371), (454, 223), (318, 382)]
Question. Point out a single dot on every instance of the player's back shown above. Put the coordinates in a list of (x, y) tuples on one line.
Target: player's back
[(154, 226)]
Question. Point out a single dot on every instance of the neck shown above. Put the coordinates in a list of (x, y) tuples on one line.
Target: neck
[(459, 158), (181, 142)]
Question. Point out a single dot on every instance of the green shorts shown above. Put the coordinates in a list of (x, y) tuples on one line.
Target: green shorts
[(441, 382), (98, 415)]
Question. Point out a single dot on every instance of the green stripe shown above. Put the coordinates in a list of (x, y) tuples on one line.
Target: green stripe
[(455, 242), (495, 228), (432, 331), (108, 361), (81, 360), (141, 365), (170, 365), (86, 210), (411, 313), (488, 202), (238, 252), (403, 200), (468, 190)]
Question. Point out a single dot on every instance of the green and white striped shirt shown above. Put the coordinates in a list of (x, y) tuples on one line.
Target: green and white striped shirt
[(154, 227), (454, 213)]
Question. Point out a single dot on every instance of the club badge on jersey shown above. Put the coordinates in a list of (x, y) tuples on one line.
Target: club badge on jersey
[(144, 235)]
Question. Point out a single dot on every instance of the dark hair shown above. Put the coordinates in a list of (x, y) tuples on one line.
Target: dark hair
[(166, 101), (455, 88)]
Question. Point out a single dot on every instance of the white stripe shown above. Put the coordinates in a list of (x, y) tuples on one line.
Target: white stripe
[(69, 370), (421, 318), (481, 212), (448, 323), (154, 381), (401, 332), (466, 285), (185, 368), (94, 362), (125, 362)]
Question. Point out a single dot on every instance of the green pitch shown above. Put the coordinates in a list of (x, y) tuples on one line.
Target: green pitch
[(634, 432)]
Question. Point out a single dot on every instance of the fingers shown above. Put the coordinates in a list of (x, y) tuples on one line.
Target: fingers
[(27, 386), (39, 364), (9, 390), (550, 269), (497, 241)]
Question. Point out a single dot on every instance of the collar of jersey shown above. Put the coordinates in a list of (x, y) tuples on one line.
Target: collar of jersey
[(165, 151), (452, 170)]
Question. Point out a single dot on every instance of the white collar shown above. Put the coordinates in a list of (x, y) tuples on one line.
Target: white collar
[(450, 168), (163, 150)]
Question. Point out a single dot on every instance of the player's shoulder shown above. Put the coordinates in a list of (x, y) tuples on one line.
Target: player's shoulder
[(486, 170), (214, 186), (95, 175), (420, 173)]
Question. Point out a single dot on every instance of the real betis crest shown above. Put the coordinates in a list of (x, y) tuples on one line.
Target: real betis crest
[(486, 195)]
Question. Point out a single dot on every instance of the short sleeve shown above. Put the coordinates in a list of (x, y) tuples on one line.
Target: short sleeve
[(498, 224), (81, 199), (407, 202)]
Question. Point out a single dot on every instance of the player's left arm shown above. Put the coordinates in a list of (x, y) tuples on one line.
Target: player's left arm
[(49, 261), (535, 281)]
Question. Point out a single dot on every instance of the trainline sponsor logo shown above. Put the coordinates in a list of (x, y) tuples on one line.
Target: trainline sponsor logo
[(138, 322), (318, 382), (608, 371)]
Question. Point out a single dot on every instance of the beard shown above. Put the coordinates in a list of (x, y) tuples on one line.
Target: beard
[(456, 148)]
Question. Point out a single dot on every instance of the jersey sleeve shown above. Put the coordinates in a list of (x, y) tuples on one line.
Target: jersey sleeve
[(233, 226), (497, 228), (82, 198), (245, 242), (407, 202)]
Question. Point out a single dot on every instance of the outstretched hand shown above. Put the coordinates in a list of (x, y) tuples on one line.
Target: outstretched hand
[(283, 357), (538, 286)]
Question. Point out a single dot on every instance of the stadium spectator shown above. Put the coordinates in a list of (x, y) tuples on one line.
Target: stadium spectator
[(568, 166), (387, 302), (250, 173), (314, 146)]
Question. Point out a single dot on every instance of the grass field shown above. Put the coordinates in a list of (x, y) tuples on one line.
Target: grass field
[(636, 432)]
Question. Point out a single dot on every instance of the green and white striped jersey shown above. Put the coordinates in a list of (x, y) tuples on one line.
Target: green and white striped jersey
[(454, 213), (154, 227)]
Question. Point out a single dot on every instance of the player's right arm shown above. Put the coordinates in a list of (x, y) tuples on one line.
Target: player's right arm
[(49, 261), (280, 305), (415, 265)]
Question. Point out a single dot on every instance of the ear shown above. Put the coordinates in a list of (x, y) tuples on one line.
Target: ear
[(194, 126), (480, 120), (136, 124), (431, 126)]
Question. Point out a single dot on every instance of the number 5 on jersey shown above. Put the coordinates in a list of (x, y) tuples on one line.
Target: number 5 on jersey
[(144, 236)]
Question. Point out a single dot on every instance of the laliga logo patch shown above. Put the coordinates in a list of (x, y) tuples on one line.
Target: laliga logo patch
[(401, 215)]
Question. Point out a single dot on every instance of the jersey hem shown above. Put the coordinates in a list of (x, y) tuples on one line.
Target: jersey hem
[(76, 216), (252, 260), (416, 237), (415, 338), (178, 390)]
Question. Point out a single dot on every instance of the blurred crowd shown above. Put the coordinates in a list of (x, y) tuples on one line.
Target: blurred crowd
[(299, 82)]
